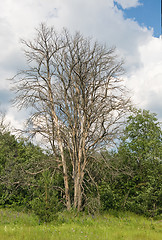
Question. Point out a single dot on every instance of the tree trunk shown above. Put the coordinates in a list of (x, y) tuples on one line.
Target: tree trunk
[(60, 144), (65, 174)]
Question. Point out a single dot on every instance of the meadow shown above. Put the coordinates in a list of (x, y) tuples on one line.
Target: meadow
[(68, 226)]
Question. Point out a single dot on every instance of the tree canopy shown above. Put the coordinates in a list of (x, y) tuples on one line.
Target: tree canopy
[(141, 151)]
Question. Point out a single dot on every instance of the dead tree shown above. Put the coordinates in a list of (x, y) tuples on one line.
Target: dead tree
[(75, 89)]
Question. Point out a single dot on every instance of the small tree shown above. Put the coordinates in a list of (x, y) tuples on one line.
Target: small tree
[(75, 89), (141, 151), (143, 137)]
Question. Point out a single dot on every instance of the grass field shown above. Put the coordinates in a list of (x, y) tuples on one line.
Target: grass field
[(118, 226)]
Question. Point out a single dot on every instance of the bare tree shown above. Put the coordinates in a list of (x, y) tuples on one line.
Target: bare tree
[(75, 89)]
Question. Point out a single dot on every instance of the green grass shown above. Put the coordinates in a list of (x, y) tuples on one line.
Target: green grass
[(118, 226)]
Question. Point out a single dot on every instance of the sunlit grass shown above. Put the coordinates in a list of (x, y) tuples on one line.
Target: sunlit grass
[(126, 226)]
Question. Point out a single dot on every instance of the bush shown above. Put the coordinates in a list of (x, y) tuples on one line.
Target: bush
[(107, 197)]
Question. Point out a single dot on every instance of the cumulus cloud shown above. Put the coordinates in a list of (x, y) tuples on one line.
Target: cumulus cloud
[(146, 81), (128, 3)]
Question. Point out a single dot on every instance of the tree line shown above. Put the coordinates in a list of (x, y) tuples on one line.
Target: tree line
[(92, 157)]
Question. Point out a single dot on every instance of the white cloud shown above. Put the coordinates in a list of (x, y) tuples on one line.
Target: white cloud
[(146, 81), (128, 3), (100, 19)]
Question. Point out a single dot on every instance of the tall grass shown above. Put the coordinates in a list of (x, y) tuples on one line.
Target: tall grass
[(126, 226)]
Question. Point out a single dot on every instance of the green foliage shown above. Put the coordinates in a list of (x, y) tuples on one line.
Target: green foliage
[(128, 179), (107, 196), (141, 151), (46, 200), (28, 178), (142, 138), (131, 177), (7, 148)]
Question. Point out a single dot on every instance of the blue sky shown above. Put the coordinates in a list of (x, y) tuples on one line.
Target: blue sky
[(147, 14)]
